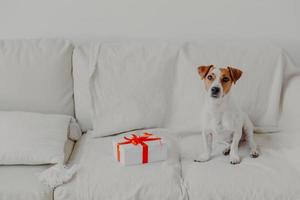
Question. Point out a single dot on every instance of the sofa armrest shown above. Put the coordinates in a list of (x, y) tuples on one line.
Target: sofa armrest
[(290, 117)]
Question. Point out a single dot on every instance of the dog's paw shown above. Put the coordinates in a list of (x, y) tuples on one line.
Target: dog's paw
[(226, 151), (254, 154), (234, 159), (202, 158)]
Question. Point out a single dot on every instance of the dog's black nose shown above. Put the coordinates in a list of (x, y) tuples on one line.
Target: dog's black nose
[(215, 90)]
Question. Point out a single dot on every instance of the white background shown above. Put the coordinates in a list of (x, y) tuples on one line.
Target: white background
[(277, 20)]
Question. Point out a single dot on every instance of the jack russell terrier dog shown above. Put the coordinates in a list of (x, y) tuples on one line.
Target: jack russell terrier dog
[(222, 118)]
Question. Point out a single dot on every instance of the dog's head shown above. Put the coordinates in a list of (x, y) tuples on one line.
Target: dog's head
[(218, 81)]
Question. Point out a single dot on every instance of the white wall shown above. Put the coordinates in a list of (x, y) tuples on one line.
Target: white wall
[(165, 19)]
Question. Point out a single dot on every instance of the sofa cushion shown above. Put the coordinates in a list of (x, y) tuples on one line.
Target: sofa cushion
[(130, 86), (265, 67), (290, 109), (82, 96), (275, 174), (33, 138), (35, 76), (102, 177), (21, 182)]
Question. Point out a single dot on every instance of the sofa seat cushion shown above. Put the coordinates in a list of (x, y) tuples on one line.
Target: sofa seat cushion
[(101, 177), (273, 175), (21, 182)]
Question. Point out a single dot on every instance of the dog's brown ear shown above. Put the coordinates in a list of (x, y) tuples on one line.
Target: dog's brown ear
[(235, 74), (203, 70)]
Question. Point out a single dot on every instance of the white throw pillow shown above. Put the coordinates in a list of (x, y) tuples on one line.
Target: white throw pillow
[(131, 85), (36, 76), (33, 138), (265, 70)]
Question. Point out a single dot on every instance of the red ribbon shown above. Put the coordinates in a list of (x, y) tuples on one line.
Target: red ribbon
[(136, 140)]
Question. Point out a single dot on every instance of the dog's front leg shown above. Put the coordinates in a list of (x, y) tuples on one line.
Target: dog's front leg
[(234, 154), (207, 144)]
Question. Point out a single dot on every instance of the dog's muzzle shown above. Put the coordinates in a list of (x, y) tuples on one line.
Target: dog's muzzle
[(215, 91)]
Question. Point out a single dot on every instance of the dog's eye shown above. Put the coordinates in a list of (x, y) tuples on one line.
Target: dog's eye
[(225, 79), (209, 77)]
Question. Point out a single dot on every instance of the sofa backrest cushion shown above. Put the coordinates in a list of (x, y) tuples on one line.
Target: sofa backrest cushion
[(290, 109), (131, 86), (265, 68), (36, 76), (83, 108)]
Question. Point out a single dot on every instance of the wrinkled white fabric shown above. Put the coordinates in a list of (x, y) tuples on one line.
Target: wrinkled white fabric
[(58, 175)]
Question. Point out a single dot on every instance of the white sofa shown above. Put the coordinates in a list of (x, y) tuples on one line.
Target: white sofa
[(41, 86)]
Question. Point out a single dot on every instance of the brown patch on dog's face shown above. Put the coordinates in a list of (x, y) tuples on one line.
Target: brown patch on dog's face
[(228, 76), (225, 80), (206, 74)]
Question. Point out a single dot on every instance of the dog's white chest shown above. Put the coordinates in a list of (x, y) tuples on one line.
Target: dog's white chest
[(221, 129), (221, 124), (222, 120)]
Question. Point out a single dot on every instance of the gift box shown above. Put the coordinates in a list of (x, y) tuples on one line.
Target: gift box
[(134, 149)]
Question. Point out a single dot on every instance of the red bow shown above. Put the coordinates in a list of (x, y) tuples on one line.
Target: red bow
[(136, 140)]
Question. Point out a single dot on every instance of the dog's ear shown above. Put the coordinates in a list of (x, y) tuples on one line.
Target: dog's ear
[(235, 74), (203, 70)]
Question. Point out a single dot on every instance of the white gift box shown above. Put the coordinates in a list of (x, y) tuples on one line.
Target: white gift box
[(143, 149)]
